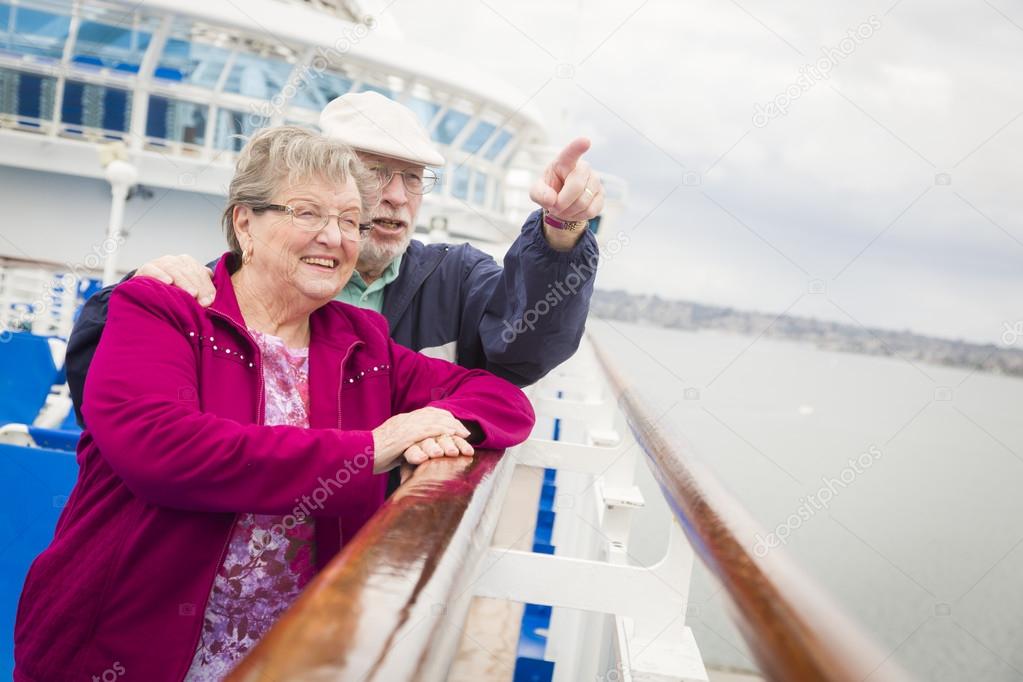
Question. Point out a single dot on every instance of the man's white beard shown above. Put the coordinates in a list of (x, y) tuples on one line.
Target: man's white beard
[(376, 256)]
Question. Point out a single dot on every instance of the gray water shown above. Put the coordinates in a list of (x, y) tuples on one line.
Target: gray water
[(923, 545)]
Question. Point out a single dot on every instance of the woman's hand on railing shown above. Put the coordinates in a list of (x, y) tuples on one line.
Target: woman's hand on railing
[(403, 432), (428, 448)]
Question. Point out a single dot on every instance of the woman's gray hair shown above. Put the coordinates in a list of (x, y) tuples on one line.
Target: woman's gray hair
[(293, 155)]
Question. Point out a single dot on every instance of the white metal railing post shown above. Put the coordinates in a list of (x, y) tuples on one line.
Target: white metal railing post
[(574, 634), (591, 571)]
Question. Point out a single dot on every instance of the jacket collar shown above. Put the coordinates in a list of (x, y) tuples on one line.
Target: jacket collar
[(329, 325), (418, 263), (225, 302)]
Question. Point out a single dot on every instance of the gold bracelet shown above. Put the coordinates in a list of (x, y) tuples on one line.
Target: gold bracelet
[(566, 225)]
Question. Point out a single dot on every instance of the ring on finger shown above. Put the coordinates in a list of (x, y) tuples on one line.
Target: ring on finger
[(589, 191)]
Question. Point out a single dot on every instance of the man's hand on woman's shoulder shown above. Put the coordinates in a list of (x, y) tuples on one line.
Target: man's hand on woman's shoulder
[(183, 272)]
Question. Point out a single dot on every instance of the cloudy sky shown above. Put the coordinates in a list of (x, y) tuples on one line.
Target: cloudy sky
[(892, 176)]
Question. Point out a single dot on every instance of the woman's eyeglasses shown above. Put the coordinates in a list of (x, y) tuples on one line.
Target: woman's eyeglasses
[(312, 218)]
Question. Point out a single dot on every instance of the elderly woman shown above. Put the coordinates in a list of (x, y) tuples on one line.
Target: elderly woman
[(231, 451)]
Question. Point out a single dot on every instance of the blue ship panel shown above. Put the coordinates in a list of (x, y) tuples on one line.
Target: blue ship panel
[(547, 495), (37, 483), (544, 527), (26, 374), (533, 670)]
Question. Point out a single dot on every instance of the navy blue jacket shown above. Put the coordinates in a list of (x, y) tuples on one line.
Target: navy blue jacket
[(455, 302)]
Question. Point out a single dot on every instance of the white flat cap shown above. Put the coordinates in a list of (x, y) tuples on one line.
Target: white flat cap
[(370, 122)]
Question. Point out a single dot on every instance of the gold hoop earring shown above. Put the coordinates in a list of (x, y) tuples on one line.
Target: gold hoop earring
[(247, 254)]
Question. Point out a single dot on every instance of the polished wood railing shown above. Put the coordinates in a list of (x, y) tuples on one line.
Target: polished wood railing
[(792, 628), (375, 612)]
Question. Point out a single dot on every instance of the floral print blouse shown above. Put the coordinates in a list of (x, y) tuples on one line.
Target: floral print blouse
[(269, 558)]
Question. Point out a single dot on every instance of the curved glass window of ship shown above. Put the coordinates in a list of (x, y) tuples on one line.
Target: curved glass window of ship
[(315, 90), (176, 121), (302, 124), (258, 77), (449, 127), (425, 110), (36, 32), (28, 96), (479, 188), (460, 183), (497, 197), (478, 137), (119, 47), (191, 62), (95, 107), (498, 145), (235, 127), (366, 87)]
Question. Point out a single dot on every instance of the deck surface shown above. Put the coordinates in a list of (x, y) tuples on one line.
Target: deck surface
[(491, 635)]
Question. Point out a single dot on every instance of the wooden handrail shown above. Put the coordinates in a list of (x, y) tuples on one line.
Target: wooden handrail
[(793, 629), (374, 612)]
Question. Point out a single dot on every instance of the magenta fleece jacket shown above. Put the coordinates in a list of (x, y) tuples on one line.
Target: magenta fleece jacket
[(176, 448)]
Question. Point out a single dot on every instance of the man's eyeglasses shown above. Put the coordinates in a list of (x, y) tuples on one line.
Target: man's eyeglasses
[(415, 181), (312, 218)]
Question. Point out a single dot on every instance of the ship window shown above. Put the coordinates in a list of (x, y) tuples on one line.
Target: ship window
[(259, 77), (38, 33), (376, 88), (424, 110), (196, 63), (302, 124), (235, 127), (449, 127), (116, 47), (176, 121), (26, 94), (498, 145), (95, 106), (460, 183), (497, 197), (5, 16), (316, 90), (479, 188), (478, 137)]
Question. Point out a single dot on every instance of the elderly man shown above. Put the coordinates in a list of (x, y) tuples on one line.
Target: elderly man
[(445, 300)]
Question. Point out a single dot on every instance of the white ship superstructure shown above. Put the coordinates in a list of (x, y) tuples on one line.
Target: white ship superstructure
[(174, 88)]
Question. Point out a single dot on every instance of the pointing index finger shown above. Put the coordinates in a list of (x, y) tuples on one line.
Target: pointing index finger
[(570, 156)]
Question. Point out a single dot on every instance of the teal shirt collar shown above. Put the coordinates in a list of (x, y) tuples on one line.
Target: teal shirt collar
[(371, 296)]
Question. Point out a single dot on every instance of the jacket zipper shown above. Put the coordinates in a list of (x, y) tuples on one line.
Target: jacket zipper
[(259, 416), (341, 378), (260, 408), (340, 388), (209, 591)]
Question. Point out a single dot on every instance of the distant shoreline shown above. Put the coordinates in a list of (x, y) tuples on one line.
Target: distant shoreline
[(686, 315)]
